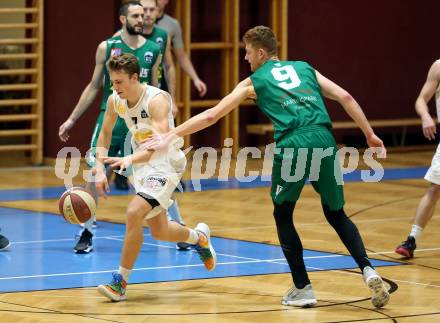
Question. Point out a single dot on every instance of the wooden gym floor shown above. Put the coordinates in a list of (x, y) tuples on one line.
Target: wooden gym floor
[(382, 211)]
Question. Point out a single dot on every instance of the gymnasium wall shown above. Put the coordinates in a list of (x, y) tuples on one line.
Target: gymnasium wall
[(72, 34), (378, 50)]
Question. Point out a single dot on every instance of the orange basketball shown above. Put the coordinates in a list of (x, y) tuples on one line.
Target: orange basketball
[(77, 205)]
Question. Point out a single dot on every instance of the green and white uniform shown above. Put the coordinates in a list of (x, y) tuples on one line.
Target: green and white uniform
[(289, 94), (147, 55), (160, 37)]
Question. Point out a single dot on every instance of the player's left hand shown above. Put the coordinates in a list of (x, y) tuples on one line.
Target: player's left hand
[(120, 163), (374, 141)]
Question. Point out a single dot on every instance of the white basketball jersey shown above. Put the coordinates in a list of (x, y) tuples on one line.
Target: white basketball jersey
[(137, 118), (159, 176)]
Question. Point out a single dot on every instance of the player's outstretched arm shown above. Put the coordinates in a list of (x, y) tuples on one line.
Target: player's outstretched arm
[(205, 119), (334, 92), (88, 95), (209, 117), (426, 94)]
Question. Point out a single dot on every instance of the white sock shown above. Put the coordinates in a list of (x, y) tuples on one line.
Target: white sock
[(193, 237), (416, 231), (89, 224), (125, 273)]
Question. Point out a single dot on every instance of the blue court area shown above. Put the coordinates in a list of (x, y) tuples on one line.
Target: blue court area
[(41, 256), (207, 184)]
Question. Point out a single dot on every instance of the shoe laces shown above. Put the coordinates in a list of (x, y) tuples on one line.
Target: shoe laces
[(292, 291), (84, 237), (408, 243), (204, 253), (117, 279)]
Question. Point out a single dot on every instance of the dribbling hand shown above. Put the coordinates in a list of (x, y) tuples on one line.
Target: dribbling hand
[(101, 182), (120, 163)]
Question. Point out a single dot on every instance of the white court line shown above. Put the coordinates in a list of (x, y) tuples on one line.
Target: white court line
[(275, 260), (41, 241), (316, 223), (28, 214), (72, 296), (245, 258), (70, 239), (414, 283), (218, 254), (392, 279), (134, 269), (391, 252), (248, 260)]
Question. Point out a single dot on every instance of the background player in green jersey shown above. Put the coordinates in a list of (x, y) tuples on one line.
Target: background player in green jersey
[(291, 94), (167, 81), (148, 53), (167, 72)]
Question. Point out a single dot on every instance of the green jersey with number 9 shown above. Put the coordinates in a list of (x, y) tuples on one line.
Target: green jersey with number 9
[(288, 93)]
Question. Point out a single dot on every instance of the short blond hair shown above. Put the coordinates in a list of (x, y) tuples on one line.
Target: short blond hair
[(126, 62), (262, 37)]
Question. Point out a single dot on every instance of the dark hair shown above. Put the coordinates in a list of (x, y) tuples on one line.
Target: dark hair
[(262, 37), (126, 62), (123, 10)]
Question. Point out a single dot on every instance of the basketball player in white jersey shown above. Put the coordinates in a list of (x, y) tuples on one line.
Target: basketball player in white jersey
[(144, 109), (427, 204)]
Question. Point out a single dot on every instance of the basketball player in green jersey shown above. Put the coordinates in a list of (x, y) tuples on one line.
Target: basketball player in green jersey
[(148, 54), (291, 94), (167, 72)]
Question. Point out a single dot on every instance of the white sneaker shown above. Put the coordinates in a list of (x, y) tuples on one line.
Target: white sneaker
[(204, 247), (380, 295), (304, 297)]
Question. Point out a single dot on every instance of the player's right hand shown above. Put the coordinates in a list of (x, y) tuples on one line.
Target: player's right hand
[(429, 127), (63, 132), (201, 87), (101, 182), (119, 163), (374, 141)]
